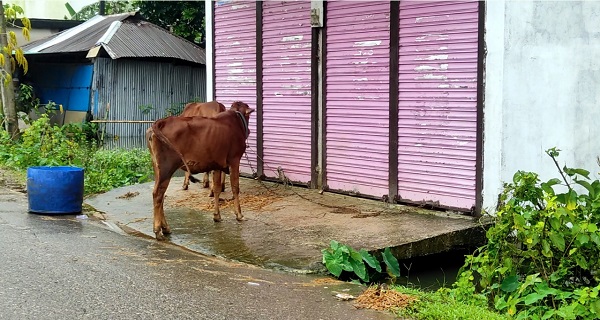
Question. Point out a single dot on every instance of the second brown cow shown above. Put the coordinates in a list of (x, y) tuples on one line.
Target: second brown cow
[(199, 145), (202, 109)]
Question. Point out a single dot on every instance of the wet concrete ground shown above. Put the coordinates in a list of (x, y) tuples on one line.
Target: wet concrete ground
[(74, 267), (287, 227)]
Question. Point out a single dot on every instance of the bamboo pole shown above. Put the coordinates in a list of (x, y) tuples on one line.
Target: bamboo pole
[(122, 121)]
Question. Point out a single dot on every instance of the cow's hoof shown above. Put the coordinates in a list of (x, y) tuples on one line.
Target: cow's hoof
[(240, 218), (211, 195), (166, 230), (185, 187), (217, 219), (160, 236)]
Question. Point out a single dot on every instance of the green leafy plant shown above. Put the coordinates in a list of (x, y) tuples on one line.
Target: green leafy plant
[(146, 108), (46, 144), (339, 257), (26, 99), (542, 259), (175, 109)]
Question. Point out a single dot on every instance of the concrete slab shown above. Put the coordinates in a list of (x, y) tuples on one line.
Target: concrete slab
[(287, 227)]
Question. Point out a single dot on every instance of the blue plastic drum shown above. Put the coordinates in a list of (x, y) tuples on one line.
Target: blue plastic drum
[(55, 190)]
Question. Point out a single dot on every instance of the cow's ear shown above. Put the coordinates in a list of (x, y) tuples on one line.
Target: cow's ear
[(249, 111)]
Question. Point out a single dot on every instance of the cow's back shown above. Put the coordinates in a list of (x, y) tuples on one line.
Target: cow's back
[(203, 109), (209, 143)]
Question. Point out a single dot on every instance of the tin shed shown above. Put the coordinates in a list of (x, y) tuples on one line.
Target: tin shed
[(119, 69)]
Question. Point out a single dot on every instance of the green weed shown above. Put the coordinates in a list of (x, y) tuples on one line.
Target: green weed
[(542, 259)]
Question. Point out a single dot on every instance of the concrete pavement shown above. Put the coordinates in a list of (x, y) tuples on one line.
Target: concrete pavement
[(287, 227)]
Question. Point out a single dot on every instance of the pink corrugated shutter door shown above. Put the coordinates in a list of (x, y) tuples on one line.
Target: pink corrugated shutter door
[(286, 89), (438, 102), (357, 94), (235, 62)]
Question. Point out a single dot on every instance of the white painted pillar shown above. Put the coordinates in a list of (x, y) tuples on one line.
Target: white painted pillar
[(492, 109), (208, 11)]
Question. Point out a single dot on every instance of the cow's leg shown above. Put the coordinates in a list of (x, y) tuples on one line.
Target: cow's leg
[(186, 180), (212, 192), (234, 178), (205, 180), (161, 227), (216, 190), (223, 176)]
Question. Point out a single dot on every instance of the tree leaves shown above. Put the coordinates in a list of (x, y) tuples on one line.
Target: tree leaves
[(186, 18), (20, 57), (558, 240), (510, 284)]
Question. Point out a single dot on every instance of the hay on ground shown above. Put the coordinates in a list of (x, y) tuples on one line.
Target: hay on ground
[(252, 202), (128, 195), (383, 299)]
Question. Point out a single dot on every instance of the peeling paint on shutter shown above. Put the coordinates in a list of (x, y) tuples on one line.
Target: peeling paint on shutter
[(438, 102), (287, 89), (235, 63), (357, 96)]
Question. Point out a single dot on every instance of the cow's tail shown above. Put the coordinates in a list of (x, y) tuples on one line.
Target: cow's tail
[(163, 138)]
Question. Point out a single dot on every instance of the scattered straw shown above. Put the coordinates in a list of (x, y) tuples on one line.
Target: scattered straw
[(253, 202), (326, 281), (383, 299), (128, 195)]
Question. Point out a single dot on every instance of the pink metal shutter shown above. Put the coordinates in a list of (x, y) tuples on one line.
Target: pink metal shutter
[(235, 62), (357, 96), (287, 89), (438, 102)]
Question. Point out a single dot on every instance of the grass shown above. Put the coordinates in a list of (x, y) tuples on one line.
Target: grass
[(439, 306)]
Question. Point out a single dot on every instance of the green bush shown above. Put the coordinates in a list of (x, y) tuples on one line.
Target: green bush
[(542, 259), (45, 144), (109, 169)]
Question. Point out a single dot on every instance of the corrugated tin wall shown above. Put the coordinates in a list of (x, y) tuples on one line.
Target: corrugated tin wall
[(437, 126), (235, 63), (141, 90), (287, 89), (357, 93), (63, 83)]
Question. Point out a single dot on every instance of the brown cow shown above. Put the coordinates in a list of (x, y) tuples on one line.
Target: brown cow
[(198, 109), (198, 144)]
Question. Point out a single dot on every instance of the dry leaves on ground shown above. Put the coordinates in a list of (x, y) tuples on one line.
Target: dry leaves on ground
[(383, 299)]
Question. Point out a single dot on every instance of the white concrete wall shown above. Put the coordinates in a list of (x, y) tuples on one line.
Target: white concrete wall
[(34, 34), (49, 9), (542, 89)]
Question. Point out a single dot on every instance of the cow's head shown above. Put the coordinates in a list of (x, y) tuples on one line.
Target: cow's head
[(242, 108)]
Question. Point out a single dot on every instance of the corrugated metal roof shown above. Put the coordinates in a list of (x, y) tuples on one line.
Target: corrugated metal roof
[(121, 35), (144, 39)]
